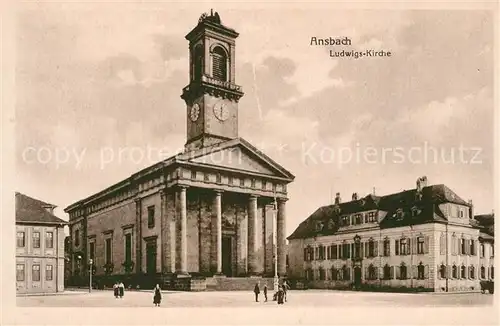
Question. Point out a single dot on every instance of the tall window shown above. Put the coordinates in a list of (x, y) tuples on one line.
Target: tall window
[(358, 219), (77, 238), (442, 271), (482, 250), (20, 240), (92, 250), (128, 247), (219, 64), (371, 248), (334, 252), (346, 251), (472, 249), (403, 272), (20, 272), (454, 271), (49, 240), (36, 239), (420, 245), (48, 273), (387, 272), (198, 62), (36, 273), (109, 251), (151, 217), (463, 273), (483, 272), (372, 272), (346, 273), (387, 247), (420, 271), (492, 272), (472, 272), (462, 246), (403, 246)]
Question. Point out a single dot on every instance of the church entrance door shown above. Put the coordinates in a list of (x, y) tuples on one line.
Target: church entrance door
[(227, 254), (357, 276), (151, 257)]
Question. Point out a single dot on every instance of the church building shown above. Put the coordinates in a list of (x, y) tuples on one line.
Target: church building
[(212, 210)]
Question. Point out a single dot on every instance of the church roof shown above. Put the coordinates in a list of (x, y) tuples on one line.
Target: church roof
[(414, 211), (31, 210)]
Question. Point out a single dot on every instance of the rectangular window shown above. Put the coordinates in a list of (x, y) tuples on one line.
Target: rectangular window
[(462, 246), (128, 247), (48, 273), (151, 217), (472, 250), (36, 273), (49, 240), (20, 272), (108, 251), (193, 175), (403, 247), (242, 182), (482, 250), (387, 248), (420, 245), (20, 240), (77, 238), (36, 239), (334, 252), (358, 219)]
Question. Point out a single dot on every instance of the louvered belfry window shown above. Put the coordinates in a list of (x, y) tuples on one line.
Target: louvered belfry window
[(219, 64)]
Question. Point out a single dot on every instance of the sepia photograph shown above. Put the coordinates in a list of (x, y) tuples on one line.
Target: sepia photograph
[(335, 158)]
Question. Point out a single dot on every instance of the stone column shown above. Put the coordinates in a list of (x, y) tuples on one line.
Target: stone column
[(218, 228), (183, 235), (281, 237), (252, 235), (162, 238), (138, 236)]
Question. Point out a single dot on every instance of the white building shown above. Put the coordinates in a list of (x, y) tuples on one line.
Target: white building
[(424, 238)]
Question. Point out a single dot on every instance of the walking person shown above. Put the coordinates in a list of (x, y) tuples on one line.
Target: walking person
[(115, 290), (121, 287), (265, 292), (256, 290), (157, 296)]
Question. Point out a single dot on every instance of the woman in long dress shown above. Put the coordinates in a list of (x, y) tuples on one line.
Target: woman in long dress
[(281, 295), (157, 296)]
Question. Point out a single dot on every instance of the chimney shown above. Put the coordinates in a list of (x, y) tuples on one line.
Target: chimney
[(337, 198), (355, 196), (471, 209)]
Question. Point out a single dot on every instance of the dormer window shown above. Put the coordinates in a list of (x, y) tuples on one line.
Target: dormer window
[(414, 211), (319, 226), (399, 214)]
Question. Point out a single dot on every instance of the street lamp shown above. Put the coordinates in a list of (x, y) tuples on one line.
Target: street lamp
[(90, 275)]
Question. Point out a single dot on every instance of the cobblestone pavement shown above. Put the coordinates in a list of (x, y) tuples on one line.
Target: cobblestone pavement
[(311, 298)]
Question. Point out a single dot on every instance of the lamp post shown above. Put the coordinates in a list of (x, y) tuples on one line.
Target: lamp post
[(275, 247), (90, 275)]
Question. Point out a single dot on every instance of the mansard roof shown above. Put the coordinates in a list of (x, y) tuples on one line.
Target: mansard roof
[(268, 167), (415, 211), (486, 222), (33, 211)]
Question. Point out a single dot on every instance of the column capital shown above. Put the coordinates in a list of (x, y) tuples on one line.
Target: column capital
[(218, 191), (137, 200), (252, 196), (182, 187), (281, 199)]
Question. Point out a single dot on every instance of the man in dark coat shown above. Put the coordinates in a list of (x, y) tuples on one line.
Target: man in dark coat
[(256, 290), (265, 292)]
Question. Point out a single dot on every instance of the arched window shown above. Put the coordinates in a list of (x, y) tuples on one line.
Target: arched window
[(403, 272), (463, 273), (472, 272), (483, 272), (387, 272), (454, 271), (219, 64), (442, 271), (420, 271), (198, 59)]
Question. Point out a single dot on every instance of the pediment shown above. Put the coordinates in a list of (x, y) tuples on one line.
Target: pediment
[(234, 158), (239, 155)]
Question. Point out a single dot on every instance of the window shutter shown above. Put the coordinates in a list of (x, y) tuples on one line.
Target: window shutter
[(396, 244), (375, 248), (398, 272), (413, 246), (426, 244)]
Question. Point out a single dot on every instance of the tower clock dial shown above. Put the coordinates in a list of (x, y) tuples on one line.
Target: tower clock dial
[(221, 111), (195, 112)]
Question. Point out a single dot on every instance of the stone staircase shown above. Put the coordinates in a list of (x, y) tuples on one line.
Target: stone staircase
[(218, 283)]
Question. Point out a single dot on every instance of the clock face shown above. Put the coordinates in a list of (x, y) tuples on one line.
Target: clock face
[(195, 112), (221, 111)]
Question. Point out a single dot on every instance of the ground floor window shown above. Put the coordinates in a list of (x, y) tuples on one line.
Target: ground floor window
[(463, 273), (321, 274), (371, 273), (387, 272), (48, 273), (20, 275), (420, 271), (492, 272), (346, 273), (454, 272), (442, 271), (334, 273), (36, 273), (483, 272), (403, 272)]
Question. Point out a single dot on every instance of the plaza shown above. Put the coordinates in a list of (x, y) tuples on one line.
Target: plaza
[(245, 299)]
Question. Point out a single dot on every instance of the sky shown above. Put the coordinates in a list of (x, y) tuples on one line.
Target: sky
[(102, 78)]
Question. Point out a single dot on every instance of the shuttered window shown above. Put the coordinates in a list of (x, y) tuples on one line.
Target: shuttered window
[(219, 64)]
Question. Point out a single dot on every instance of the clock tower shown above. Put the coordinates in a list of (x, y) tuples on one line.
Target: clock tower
[(212, 95)]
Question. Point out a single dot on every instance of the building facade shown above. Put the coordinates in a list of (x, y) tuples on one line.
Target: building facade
[(39, 247), (425, 238), (209, 210)]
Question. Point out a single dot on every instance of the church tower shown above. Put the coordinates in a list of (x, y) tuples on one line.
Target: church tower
[(212, 95)]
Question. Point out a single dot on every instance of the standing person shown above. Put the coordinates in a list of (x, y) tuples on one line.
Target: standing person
[(265, 292), (281, 294), (122, 289), (115, 290), (157, 296), (286, 287), (256, 290)]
